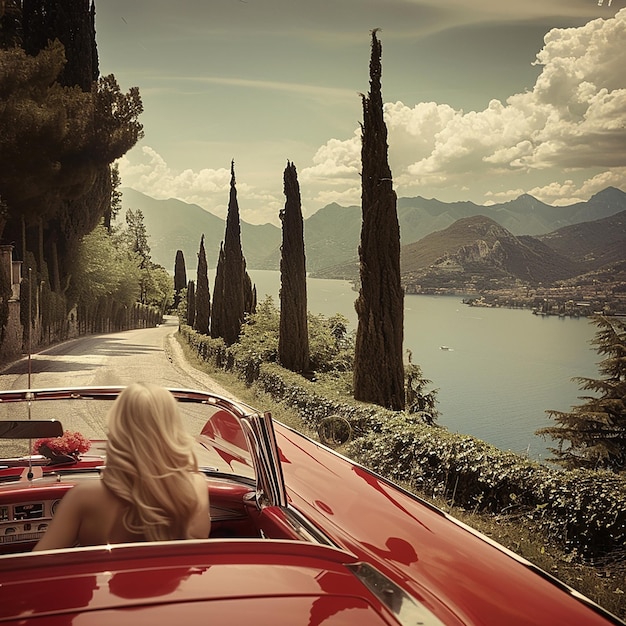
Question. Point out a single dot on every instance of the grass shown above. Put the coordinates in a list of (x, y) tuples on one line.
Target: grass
[(604, 583)]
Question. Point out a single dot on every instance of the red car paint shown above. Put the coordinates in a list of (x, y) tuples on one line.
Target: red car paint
[(279, 553)]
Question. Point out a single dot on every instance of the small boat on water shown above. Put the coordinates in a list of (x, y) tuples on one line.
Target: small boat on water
[(445, 348)]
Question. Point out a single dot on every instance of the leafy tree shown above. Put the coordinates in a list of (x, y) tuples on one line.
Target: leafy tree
[(293, 343), (104, 269), (331, 345), (332, 349), (203, 297), (378, 367), (135, 238), (57, 140), (61, 128), (419, 401), (41, 123), (233, 296), (180, 276), (156, 286), (159, 287), (593, 434), (259, 336)]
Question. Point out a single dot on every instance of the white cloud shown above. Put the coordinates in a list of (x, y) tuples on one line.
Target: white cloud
[(334, 175), (147, 172), (335, 162), (570, 128), (153, 176), (344, 197), (570, 192), (574, 118)]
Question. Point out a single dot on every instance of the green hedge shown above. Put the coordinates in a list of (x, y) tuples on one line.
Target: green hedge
[(584, 511)]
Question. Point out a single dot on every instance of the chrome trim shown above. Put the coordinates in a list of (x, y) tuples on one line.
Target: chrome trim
[(405, 608), (259, 435)]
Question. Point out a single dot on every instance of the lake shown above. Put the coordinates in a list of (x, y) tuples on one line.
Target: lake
[(504, 367)]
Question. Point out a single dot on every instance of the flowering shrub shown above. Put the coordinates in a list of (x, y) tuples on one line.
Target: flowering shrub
[(69, 443)]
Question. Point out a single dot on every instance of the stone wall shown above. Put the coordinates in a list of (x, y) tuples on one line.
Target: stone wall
[(11, 345)]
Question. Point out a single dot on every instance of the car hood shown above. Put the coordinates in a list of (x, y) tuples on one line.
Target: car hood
[(233, 582)]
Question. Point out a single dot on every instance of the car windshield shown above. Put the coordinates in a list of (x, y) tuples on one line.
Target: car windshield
[(221, 445)]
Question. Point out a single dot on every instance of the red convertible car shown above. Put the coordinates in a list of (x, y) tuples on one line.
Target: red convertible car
[(299, 535)]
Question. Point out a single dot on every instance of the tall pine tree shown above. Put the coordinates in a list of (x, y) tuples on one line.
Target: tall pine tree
[(293, 340), (593, 434), (191, 303), (233, 295), (203, 297), (217, 314), (378, 363), (72, 22), (180, 276)]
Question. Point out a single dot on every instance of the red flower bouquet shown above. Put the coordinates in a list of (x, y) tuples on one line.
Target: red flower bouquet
[(69, 444)]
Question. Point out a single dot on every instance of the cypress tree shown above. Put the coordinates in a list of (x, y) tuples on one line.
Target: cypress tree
[(10, 24), (72, 22), (293, 340), (203, 298), (232, 292), (249, 294), (378, 363), (593, 434), (180, 276), (191, 303), (217, 314)]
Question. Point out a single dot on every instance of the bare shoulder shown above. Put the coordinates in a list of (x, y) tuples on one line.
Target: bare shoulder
[(200, 522), (89, 487), (199, 479), (88, 492), (201, 485)]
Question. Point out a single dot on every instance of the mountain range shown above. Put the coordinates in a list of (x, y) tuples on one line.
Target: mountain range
[(523, 239)]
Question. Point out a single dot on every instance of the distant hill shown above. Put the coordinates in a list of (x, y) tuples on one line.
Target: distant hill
[(331, 236), (175, 225), (332, 233), (523, 216), (477, 252), (597, 244)]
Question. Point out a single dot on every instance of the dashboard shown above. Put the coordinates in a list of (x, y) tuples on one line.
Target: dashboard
[(25, 521), (27, 510)]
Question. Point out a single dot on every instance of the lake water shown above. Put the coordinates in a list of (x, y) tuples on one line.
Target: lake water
[(504, 368)]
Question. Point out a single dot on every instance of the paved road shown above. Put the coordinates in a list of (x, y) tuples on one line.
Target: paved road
[(150, 355)]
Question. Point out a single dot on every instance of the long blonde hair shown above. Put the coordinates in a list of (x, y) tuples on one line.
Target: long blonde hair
[(149, 462)]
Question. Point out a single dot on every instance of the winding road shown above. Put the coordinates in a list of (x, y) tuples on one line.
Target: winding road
[(148, 354)]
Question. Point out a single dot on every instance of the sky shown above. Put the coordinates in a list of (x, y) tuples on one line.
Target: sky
[(484, 100)]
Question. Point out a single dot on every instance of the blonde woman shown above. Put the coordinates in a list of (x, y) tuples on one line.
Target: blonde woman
[(150, 490)]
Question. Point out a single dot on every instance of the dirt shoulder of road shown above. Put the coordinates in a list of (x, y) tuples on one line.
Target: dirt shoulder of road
[(175, 354)]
